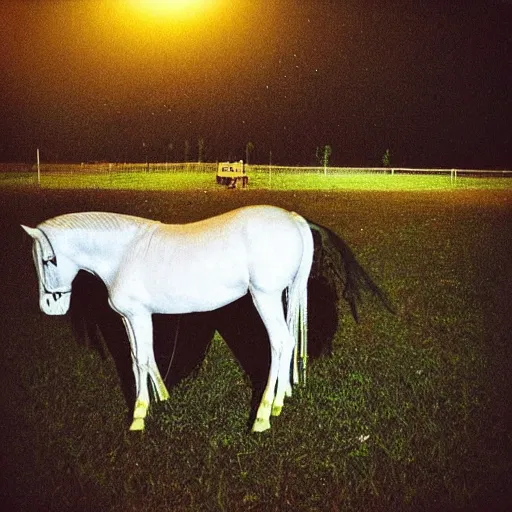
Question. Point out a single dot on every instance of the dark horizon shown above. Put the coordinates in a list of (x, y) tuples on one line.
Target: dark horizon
[(83, 82)]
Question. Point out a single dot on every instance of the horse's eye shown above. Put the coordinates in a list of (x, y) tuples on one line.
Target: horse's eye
[(53, 261)]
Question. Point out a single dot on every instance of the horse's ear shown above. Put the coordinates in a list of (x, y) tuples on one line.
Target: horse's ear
[(44, 243), (33, 232)]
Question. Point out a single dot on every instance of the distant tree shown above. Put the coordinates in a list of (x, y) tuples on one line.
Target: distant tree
[(249, 148), (323, 154), (187, 150), (386, 159), (168, 151), (145, 147), (200, 150)]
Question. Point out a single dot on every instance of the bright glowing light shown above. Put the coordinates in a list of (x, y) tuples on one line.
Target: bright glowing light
[(171, 9)]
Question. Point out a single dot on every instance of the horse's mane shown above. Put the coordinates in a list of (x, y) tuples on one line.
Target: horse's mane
[(96, 221)]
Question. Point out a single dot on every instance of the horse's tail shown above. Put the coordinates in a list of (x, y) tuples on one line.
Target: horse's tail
[(297, 305), (332, 255)]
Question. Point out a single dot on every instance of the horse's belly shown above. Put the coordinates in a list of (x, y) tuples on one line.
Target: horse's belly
[(194, 303), (186, 288)]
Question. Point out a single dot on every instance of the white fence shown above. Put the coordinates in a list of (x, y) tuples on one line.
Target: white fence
[(208, 167), (106, 167), (377, 170)]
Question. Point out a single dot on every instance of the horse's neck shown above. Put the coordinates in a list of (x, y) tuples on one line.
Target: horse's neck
[(103, 253)]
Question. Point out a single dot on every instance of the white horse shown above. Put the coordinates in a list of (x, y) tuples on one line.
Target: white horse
[(149, 267)]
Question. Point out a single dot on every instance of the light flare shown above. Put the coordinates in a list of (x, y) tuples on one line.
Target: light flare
[(171, 9)]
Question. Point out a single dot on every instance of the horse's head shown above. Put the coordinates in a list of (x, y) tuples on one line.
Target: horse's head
[(55, 275)]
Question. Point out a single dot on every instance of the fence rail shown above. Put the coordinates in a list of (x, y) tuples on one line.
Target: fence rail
[(209, 167), (377, 170), (106, 167)]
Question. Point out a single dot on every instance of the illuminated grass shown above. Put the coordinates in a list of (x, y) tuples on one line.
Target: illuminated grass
[(372, 182), (258, 180)]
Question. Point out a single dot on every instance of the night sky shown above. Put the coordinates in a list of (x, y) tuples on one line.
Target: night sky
[(92, 80)]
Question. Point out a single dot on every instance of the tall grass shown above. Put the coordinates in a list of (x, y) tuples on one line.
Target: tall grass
[(406, 414)]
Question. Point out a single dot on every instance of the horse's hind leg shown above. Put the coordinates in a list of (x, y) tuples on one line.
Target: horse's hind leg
[(140, 334), (270, 309)]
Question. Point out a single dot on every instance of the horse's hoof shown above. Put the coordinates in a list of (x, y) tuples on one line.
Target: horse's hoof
[(276, 410), (163, 394), (137, 424), (260, 425)]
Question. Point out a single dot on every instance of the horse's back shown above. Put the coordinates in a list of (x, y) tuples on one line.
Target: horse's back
[(250, 243), (255, 215), (272, 242)]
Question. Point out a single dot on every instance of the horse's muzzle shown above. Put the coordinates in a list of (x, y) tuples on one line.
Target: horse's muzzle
[(56, 303)]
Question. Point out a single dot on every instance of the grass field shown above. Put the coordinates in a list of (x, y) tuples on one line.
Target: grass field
[(258, 180), (412, 412)]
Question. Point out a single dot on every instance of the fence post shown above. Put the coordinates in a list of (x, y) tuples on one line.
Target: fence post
[(38, 170), (453, 176), (270, 170)]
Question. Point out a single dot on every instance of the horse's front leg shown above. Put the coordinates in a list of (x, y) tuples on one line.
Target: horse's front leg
[(140, 333)]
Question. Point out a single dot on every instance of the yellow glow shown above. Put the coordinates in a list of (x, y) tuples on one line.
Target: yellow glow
[(170, 9)]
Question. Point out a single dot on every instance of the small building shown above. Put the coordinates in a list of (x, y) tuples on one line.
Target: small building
[(229, 173)]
